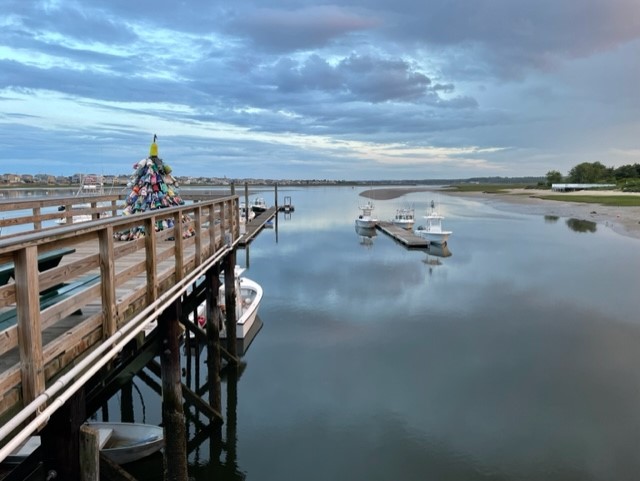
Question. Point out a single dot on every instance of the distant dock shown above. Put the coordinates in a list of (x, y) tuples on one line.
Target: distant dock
[(255, 225), (404, 236)]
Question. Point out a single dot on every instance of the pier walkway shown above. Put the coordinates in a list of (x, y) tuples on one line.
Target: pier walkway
[(60, 326), (255, 225)]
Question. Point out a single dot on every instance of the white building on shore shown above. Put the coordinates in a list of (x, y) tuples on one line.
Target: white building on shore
[(572, 187)]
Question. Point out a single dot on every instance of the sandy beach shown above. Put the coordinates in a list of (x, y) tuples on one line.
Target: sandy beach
[(622, 220)]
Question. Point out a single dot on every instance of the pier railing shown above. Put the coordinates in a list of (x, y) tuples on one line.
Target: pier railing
[(47, 211), (50, 318)]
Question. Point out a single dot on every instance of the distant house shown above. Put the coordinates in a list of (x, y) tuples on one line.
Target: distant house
[(44, 179), (572, 187), (11, 179)]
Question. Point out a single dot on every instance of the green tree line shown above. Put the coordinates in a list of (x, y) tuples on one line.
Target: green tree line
[(627, 177)]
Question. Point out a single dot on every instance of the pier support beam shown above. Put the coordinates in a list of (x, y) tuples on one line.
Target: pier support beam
[(61, 439), (172, 411), (230, 302), (213, 337)]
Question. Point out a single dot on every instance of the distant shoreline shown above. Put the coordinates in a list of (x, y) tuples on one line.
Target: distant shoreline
[(622, 220)]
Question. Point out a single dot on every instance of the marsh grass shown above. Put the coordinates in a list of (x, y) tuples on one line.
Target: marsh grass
[(487, 188)]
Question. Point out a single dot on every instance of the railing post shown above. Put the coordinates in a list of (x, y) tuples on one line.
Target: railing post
[(198, 228), (179, 252), (212, 229), (223, 227), (235, 214), (108, 288), (150, 259), (29, 328), (37, 224), (246, 202)]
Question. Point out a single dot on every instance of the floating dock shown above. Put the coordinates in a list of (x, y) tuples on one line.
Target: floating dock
[(287, 206), (404, 236)]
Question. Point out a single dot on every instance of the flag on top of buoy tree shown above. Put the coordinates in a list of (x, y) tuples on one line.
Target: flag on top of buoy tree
[(152, 185)]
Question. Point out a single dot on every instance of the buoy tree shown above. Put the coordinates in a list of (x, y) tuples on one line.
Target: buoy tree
[(152, 187)]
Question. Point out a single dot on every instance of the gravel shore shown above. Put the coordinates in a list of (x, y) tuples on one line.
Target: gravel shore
[(622, 220)]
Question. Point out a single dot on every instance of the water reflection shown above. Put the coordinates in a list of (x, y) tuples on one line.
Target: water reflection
[(439, 250), (366, 235), (551, 219), (435, 254), (579, 225)]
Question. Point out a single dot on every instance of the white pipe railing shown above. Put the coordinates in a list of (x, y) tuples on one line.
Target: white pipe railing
[(95, 360)]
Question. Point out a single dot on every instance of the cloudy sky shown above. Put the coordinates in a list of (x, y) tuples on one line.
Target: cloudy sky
[(295, 89)]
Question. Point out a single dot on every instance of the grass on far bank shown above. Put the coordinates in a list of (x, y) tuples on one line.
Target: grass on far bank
[(487, 188), (610, 200)]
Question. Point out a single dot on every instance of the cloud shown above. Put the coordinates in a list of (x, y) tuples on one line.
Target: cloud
[(507, 85), (286, 30), (507, 37)]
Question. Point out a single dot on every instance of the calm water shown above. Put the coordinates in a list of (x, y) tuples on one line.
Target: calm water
[(515, 358)]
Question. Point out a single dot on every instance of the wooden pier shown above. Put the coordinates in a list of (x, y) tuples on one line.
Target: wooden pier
[(64, 326), (255, 225), (404, 236)]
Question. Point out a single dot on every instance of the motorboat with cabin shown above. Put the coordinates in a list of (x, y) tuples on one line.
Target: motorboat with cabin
[(405, 218), (433, 231), (258, 205), (366, 218)]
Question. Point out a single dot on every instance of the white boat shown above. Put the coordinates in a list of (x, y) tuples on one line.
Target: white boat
[(432, 231), (404, 218), (127, 442), (258, 205), (366, 218), (79, 217), (245, 215), (121, 442), (366, 231), (90, 185), (248, 296)]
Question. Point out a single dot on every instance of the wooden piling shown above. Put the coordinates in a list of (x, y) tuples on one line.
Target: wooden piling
[(172, 410), (61, 438), (212, 280), (275, 200), (89, 454), (230, 302)]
